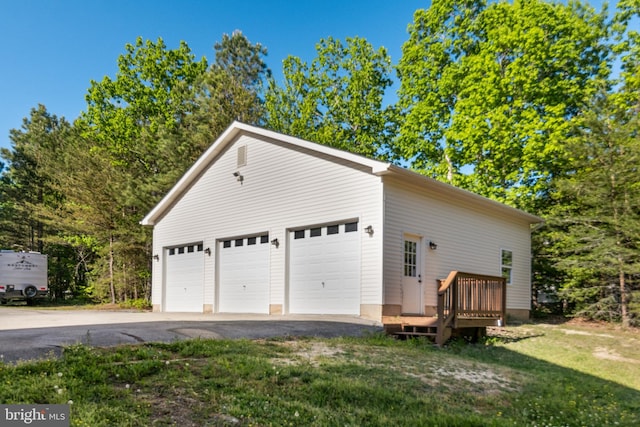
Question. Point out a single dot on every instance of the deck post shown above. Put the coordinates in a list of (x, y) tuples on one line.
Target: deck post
[(440, 330)]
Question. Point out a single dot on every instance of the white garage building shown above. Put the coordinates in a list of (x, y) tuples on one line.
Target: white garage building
[(269, 223)]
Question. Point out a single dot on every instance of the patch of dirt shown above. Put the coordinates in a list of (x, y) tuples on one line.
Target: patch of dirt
[(305, 352), (319, 349), (608, 354), (473, 379), (576, 332), (487, 379), (177, 410)]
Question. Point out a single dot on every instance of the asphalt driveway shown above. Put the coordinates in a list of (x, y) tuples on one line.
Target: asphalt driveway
[(28, 333)]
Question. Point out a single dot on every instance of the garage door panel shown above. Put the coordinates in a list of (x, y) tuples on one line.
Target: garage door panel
[(324, 272), (244, 276), (184, 279)]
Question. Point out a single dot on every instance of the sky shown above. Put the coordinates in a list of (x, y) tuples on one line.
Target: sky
[(50, 50)]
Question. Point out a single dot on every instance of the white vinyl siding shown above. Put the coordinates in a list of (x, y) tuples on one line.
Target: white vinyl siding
[(469, 239), (283, 188)]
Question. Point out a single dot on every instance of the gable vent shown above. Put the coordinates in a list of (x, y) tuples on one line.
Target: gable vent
[(242, 155)]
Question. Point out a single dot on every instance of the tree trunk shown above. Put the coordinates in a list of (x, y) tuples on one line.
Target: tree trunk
[(112, 287), (624, 298)]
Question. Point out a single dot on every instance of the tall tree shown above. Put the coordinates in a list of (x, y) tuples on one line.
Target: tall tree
[(627, 47), (124, 130), (153, 89), (231, 89), (337, 99), (31, 192), (488, 91), (595, 227), (91, 214), (27, 184), (145, 128)]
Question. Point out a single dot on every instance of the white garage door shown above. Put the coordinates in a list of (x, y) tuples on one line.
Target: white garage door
[(244, 275), (324, 270), (184, 278)]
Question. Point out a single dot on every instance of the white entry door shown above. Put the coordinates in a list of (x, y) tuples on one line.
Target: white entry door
[(184, 279), (412, 276), (244, 275), (324, 270)]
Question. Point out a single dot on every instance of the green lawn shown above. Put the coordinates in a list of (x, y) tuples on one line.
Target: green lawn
[(530, 375)]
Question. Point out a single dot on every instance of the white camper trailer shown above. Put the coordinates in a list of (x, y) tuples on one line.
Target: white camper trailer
[(23, 276)]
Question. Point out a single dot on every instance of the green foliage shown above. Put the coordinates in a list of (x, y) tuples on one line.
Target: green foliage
[(594, 227), (337, 99), (151, 91), (78, 192), (138, 304), (231, 89), (627, 47), (27, 184), (488, 92)]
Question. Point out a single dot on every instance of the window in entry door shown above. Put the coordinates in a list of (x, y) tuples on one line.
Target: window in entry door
[(410, 258)]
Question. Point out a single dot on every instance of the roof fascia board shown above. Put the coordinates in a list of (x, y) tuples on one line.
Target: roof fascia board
[(376, 165)]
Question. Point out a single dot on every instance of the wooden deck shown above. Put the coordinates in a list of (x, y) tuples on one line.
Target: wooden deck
[(467, 304)]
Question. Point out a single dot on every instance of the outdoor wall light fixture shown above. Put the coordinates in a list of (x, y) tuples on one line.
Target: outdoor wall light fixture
[(275, 242), (207, 251), (238, 176), (433, 245), (369, 230), (156, 257)]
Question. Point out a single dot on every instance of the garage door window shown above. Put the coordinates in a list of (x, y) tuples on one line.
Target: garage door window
[(250, 241), (178, 250), (333, 229), (349, 227)]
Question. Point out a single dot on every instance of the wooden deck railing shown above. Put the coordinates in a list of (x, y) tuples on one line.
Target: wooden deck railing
[(465, 297)]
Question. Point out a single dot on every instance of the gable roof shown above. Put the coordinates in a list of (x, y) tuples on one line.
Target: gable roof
[(377, 168)]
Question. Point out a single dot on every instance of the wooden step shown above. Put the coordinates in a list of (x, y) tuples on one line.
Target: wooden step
[(410, 320), (416, 334)]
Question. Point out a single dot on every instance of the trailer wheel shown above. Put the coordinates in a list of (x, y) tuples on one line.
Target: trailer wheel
[(30, 291), (3, 301)]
